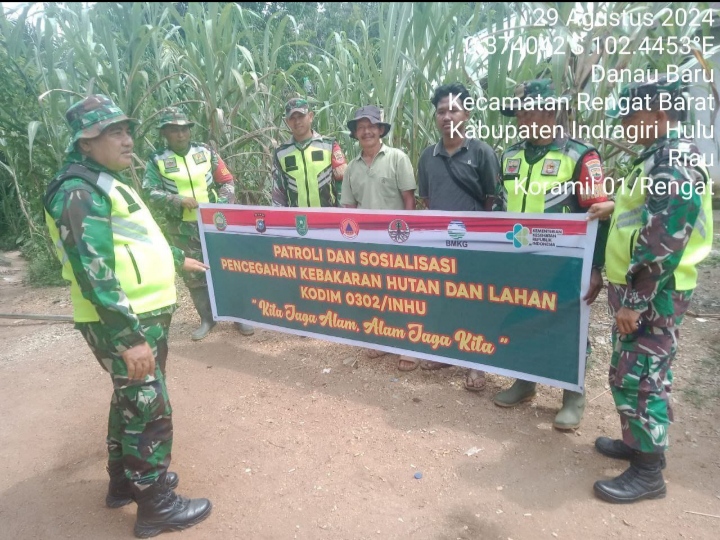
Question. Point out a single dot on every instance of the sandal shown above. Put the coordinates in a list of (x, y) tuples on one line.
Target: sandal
[(373, 353), (407, 359), (471, 379)]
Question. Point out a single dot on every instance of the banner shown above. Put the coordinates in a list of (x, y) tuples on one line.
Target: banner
[(499, 292)]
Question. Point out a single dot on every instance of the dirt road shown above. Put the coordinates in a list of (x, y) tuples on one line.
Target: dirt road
[(285, 450)]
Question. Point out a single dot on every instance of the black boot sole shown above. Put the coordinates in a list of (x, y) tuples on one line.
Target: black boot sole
[(657, 494), (149, 531)]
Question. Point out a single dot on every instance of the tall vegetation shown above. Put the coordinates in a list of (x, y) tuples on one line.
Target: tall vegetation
[(232, 66)]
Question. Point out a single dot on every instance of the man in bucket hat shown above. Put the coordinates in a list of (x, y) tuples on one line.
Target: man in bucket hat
[(122, 275), (178, 178), (380, 178), (662, 228), (308, 169), (549, 172)]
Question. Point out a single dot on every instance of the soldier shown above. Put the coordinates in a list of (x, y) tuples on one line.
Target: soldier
[(308, 169), (662, 227), (532, 171), (122, 275), (177, 178)]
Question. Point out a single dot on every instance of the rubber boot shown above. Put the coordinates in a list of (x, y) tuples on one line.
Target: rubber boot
[(570, 416), (520, 391), (642, 480), (617, 449), (244, 329), (160, 509), (201, 299), (120, 490)]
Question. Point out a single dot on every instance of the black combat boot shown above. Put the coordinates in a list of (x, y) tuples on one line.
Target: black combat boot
[(160, 509), (642, 480), (201, 298), (617, 449), (120, 490)]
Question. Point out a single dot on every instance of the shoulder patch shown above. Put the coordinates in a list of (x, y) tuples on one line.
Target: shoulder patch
[(595, 169)]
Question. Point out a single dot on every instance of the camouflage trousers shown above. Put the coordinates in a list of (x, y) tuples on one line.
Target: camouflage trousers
[(140, 430), (186, 236), (641, 381)]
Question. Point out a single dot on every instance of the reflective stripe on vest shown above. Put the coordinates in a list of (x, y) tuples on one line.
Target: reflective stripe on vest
[(144, 263), (188, 176), (308, 170), (627, 221), (533, 188)]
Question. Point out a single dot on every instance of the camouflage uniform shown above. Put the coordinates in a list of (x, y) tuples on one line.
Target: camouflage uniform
[(641, 366), (140, 420), (164, 200), (661, 229)]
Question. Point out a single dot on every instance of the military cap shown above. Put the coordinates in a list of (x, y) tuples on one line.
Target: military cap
[(296, 105), (174, 116), (529, 94), (89, 117), (643, 92), (372, 113)]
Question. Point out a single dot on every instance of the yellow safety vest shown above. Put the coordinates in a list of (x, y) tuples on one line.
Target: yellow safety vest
[(308, 169), (144, 263), (188, 176), (628, 219), (540, 186)]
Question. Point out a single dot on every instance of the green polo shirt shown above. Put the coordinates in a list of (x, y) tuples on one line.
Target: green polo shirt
[(379, 186)]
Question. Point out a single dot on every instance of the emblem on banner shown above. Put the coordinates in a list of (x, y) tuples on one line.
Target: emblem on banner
[(260, 222), (456, 230), (301, 225), (550, 167), (520, 235), (220, 221), (349, 228), (399, 230)]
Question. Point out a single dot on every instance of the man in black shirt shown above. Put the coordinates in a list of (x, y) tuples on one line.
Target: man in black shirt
[(457, 174)]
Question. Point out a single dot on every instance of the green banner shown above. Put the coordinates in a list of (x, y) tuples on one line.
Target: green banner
[(510, 309)]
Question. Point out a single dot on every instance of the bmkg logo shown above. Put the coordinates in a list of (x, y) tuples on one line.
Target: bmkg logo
[(456, 230), (301, 225), (520, 235), (220, 221)]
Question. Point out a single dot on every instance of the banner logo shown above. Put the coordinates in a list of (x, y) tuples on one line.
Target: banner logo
[(519, 235), (456, 230), (301, 225), (349, 228), (399, 231), (220, 221), (260, 222)]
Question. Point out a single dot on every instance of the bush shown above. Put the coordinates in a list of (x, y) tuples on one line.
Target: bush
[(44, 268)]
